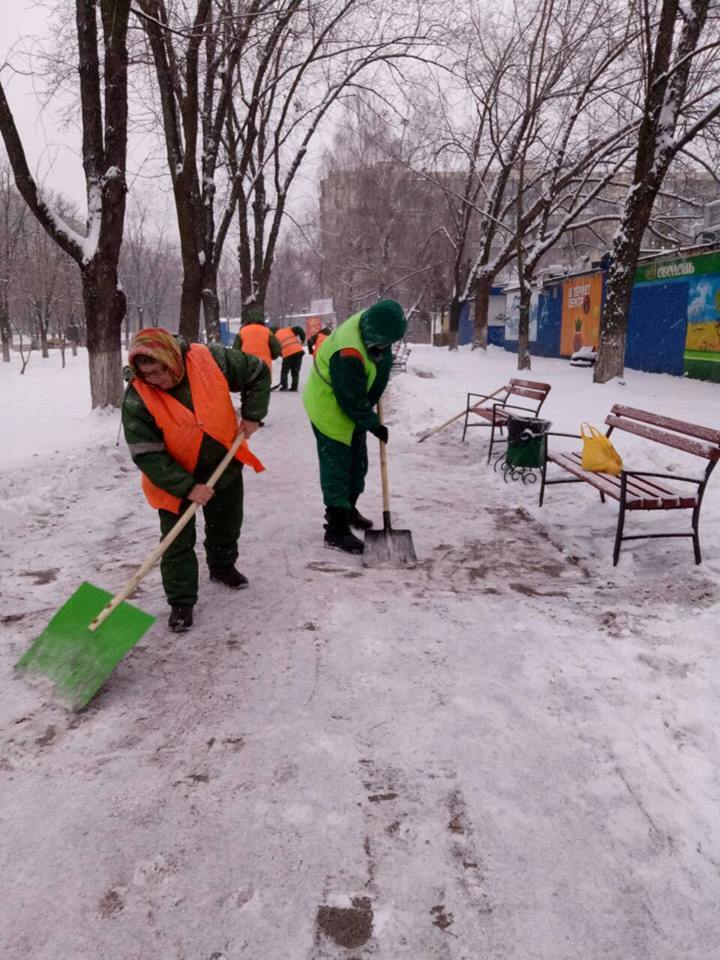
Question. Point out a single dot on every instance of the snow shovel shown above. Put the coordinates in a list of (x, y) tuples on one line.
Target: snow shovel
[(387, 546), (93, 630)]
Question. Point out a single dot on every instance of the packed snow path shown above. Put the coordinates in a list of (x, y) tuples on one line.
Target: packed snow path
[(508, 752)]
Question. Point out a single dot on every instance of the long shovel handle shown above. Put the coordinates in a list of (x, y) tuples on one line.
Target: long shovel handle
[(457, 416), (442, 425), (384, 476), (166, 541)]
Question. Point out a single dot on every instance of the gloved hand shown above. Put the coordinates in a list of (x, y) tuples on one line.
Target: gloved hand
[(381, 432)]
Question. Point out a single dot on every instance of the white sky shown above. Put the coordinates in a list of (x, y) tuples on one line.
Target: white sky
[(52, 148)]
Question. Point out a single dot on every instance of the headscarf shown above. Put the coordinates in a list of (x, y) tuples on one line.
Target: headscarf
[(160, 345)]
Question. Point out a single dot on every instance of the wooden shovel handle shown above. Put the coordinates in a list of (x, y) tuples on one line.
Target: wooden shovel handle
[(384, 474), (166, 541)]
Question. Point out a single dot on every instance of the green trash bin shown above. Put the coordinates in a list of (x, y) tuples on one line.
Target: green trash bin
[(527, 443)]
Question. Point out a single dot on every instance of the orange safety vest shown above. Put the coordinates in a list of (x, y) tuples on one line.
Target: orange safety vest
[(213, 413), (318, 342), (255, 339), (289, 342)]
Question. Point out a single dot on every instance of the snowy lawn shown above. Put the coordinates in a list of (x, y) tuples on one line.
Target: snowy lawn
[(506, 753)]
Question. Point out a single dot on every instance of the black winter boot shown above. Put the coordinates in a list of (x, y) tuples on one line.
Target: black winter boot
[(181, 618), (358, 521), (338, 534), (229, 576)]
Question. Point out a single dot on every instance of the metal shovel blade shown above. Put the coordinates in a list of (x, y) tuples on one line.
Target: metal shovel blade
[(389, 547), (76, 659)]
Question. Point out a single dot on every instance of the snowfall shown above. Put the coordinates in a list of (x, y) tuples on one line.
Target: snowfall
[(506, 752)]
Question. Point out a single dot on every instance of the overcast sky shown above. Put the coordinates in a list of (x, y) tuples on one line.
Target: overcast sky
[(52, 148)]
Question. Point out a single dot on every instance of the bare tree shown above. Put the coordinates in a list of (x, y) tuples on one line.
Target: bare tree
[(195, 56), (678, 99), (536, 87), (383, 227), (149, 265), (103, 99), (13, 217), (297, 71)]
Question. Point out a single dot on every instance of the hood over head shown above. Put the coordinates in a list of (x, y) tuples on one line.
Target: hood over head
[(383, 323), (254, 315)]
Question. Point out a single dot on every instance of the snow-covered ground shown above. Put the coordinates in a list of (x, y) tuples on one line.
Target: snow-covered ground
[(508, 752)]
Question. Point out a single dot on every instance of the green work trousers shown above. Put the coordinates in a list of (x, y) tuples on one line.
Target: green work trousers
[(291, 367), (342, 468), (223, 520)]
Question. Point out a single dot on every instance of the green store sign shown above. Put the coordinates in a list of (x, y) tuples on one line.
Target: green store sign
[(683, 268)]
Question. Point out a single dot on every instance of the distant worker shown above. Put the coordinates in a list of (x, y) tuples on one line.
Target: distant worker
[(350, 372), (316, 339), (179, 422), (255, 338), (291, 340)]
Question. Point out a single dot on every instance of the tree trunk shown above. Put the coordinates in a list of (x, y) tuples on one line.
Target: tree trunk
[(211, 306), (524, 361), (6, 337), (618, 291), (454, 325), (5, 331), (482, 308), (43, 332), (104, 312), (190, 301)]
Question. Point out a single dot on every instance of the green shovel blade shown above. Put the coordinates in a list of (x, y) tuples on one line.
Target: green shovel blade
[(76, 659)]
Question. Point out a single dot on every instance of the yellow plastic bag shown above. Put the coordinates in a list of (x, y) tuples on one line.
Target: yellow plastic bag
[(598, 454)]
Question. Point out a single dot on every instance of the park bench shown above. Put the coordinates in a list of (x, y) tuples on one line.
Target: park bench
[(401, 352), (495, 413), (646, 490)]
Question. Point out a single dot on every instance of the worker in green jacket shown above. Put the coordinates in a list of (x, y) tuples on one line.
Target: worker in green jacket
[(350, 372), (169, 377)]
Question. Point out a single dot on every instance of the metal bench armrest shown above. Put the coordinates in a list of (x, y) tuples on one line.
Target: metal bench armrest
[(483, 396)]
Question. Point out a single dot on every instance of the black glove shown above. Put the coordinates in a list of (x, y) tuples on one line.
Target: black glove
[(381, 432)]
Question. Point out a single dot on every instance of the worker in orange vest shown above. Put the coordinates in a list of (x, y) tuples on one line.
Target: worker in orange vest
[(291, 340), (255, 338), (179, 422), (315, 341)]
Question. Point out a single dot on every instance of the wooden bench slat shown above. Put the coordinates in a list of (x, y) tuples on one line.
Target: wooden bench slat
[(531, 385), (642, 493), (668, 423), (640, 486), (688, 445), (526, 392), (487, 413)]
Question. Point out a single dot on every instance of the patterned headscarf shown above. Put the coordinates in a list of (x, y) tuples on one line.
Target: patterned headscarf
[(161, 345)]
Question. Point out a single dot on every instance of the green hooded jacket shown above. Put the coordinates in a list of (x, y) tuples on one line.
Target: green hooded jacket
[(351, 370)]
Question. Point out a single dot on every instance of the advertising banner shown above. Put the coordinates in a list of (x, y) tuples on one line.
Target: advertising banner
[(582, 302), (678, 268), (702, 346)]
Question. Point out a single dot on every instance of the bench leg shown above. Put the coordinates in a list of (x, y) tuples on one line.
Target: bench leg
[(467, 412), (696, 534), (492, 440), (602, 496), (621, 521), (542, 483)]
